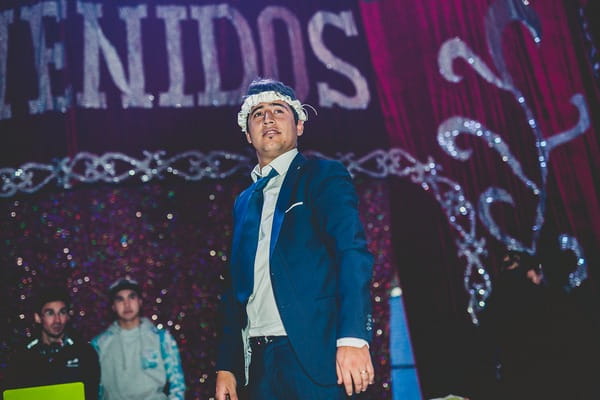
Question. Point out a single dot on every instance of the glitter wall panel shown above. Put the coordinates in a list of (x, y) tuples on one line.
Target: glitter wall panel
[(174, 238)]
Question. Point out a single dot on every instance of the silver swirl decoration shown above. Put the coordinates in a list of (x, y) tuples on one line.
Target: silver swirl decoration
[(569, 243), (117, 167), (500, 14)]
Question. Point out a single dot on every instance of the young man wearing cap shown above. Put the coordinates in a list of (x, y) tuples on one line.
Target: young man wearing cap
[(138, 360), (296, 312), (56, 355)]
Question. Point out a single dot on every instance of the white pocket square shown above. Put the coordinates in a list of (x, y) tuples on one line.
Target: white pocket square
[(299, 203)]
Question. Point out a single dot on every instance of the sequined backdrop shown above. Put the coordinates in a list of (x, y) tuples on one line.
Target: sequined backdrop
[(172, 237)]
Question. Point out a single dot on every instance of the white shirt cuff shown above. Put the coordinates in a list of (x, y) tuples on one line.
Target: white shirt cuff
[(352, 342)]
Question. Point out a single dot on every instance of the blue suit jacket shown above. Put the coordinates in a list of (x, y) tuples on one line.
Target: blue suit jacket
[(320, 269)]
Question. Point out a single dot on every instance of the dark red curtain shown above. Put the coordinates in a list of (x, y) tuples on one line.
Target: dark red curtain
[(405, 39)]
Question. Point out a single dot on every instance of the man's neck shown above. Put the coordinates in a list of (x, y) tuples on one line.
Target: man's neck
[(48, 340), (264, 160), (129, 324)]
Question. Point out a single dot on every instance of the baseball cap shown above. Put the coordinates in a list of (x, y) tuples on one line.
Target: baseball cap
[(124, 283)]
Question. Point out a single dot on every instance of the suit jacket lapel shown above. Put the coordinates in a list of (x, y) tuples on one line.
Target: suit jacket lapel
[(284, 198)]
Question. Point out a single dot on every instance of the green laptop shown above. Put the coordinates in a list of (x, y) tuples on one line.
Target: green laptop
[(64, 391)]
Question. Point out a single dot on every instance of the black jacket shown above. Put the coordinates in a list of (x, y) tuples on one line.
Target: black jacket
[(37, 364)]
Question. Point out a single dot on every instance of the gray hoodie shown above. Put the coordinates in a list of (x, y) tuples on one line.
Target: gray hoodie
[(138, 363)]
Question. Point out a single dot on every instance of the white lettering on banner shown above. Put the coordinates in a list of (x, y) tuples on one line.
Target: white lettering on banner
[(173, 15), (6, 17), (328, 96), (205, 15), (127, 72), (269, 53), (96, 42), (44, 56), (136, 97)]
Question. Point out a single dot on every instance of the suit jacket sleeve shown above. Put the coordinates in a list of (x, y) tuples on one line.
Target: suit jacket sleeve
[(230, 350), (336, 209)]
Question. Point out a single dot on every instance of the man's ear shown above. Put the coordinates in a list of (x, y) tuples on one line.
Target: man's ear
[(248, 138), (37, 318), (300, 127)]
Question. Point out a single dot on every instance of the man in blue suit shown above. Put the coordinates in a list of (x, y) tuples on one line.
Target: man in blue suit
[(296, 314)]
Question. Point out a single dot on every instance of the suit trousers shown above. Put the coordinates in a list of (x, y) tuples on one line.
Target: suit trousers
[(276, 374)]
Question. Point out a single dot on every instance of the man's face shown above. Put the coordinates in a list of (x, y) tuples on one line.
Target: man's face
[(127, 305), (272, 130), (53, 318)]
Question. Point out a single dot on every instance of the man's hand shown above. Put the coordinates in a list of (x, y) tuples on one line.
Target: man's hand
[(354, 367), (226, 386)]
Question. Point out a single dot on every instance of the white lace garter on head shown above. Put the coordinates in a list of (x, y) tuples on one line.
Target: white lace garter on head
[(267, 97)]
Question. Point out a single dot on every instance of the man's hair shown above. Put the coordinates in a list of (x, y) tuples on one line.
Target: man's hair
[(49, 294), (260, 85)]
